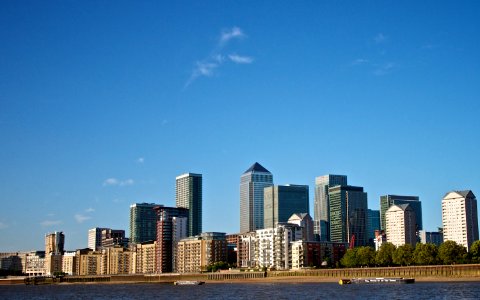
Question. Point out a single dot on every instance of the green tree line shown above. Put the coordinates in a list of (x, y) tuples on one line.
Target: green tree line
[(423, 254)]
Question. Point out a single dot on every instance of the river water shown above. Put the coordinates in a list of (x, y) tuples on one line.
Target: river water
[(273, 291)]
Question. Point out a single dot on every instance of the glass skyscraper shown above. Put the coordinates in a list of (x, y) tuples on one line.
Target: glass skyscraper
[(189, 195), (321, 207), (252, 184), (143, 222), (373, 223), (282, 201), (348, 214), (388, 200)]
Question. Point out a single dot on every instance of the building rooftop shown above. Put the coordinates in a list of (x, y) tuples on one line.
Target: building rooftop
[(256, 167)]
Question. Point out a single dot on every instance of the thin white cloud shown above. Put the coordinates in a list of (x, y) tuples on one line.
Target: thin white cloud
[(380, 38), (141, 160), (49, 223), (240, 59), (89, 210), (3, 225), (384, 69), (117, 182), (229, 34), (81, 218), (359, 61)]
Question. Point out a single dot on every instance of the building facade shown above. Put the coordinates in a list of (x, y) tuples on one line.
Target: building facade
[(460, 217), (305, 221), (321, 209), (143, 222), (388, 200), (252, 184), (431, 237), (144, 258), (95, 238), (401, 225), (348, 215), (281, 201), (246, 250), (189, 196), (373, 223), (166, 235), (316, 254)]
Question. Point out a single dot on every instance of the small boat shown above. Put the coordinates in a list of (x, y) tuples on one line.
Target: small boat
[(344, 281), (383, 280), (188, 282)]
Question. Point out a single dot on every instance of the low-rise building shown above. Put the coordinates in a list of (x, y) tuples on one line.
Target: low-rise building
[(35, 263), (88, 262), (69, 263), (307, 254), (433, 237), (246, 250), (144, 258)]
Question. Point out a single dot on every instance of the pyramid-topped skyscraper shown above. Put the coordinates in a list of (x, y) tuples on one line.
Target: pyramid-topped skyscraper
[(252, 183)]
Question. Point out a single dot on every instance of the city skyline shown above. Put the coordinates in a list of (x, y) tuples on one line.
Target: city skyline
[(102, 105)]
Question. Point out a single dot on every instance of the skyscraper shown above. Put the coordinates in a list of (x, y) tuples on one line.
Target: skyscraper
[(167, 233), (252, 184), (143, 222), (321, 207), (95, 238), (348, 214), (460, 218), (54, 243), (373, 223), (189, 195), (388, 200), (281, 201), (401, 225)]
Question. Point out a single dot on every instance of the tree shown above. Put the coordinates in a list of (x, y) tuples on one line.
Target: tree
[(403, 255), (365, 256), (474, 252), (425, 254), (221, 265), (450, 253), (384, 255), (349, 260)]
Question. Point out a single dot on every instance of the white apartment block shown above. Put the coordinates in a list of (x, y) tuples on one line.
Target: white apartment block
[(460, 218), (401, 225)]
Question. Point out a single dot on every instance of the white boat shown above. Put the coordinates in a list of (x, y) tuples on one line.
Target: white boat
[(188, 282)]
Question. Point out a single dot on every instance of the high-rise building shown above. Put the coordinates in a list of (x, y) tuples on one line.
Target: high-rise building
[(321, 209), (166, 235), (281, 201), (252, 184), (373, 223), (54, 243), (401, 225), (460, 218), (431, 237), (143, 222), (113, 237), (95, 238), (189, 195), (348, 215), (388, 200)]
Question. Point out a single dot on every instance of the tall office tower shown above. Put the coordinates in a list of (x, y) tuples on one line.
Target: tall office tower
[(281, 201), (95, 238), (54, 243), (252, 184), (113, 237), (321, 207), (460, 218), (348, 215), (167, 226), (189, 195), (388, 200), (143, 222), (373, 223), (400, 224)]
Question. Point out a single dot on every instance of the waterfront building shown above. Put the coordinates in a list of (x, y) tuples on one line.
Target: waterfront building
[(189, 196), (54, 243), (143, 222), (144, 258), (88, 262), (252, 184), (348, 215), (35, 264), (166, 235), (388, 200), (95, 238), (321, 205), (232, 248), (246, 250), (195, 254), (69, 263), (281, 201), (273, 245), (431, 237), (308, 254), (305, 221), (401, 225), (13, 261), (460, 217), (116, 261), (373, 223)]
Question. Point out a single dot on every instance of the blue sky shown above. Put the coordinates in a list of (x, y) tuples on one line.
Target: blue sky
[(104, 103)]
